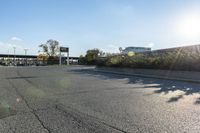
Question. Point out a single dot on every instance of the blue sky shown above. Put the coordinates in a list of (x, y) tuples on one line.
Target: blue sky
[(103, 24)]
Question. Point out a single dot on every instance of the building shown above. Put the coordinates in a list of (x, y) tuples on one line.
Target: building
[(194, 49), (136, 50)]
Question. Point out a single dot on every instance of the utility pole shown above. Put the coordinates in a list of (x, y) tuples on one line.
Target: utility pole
[(68, 57), (25, 50), (8, 57), (60, 60), (14, 48)]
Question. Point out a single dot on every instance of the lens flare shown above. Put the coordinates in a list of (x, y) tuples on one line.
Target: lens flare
[(189, 25)]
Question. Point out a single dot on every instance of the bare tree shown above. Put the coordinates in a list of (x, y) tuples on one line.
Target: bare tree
[(50, 48)]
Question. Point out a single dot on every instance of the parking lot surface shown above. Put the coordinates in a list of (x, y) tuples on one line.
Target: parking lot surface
[(77, 99)]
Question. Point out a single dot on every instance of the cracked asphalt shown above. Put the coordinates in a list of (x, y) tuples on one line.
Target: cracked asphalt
[(77, 99)]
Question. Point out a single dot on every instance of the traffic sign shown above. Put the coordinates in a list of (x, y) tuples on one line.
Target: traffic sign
[(64, 49)]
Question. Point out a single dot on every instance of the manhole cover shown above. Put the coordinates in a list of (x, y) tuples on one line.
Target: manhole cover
[(6, 111)]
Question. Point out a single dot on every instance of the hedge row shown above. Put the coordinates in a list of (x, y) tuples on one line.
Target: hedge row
[(176, 59)]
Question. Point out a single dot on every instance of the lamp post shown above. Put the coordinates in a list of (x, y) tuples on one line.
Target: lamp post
[(8, 58), (68, 57), (25, 50), (14, 48), (60, 57)]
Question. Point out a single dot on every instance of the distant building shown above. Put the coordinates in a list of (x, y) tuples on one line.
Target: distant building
[(136, 50), (188, 49)]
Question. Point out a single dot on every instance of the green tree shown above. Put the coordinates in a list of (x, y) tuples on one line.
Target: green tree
[(92, 56), (82, 60)]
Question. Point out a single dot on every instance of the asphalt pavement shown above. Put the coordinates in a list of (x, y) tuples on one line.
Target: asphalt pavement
[(78, 99)]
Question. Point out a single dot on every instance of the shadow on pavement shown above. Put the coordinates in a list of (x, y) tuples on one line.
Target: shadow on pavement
[(162, 85)]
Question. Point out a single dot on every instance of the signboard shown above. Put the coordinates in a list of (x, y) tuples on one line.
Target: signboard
[(64, 49)]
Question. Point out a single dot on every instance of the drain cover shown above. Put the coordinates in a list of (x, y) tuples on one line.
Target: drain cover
[(6, 111)]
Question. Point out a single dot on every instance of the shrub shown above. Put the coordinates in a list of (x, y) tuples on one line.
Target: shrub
[(176, 59)]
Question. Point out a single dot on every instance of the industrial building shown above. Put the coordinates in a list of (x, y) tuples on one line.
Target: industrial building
[(136, 50)]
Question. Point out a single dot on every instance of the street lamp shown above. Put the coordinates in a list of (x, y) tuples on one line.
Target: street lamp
[(14, 48), (8, 58), (25, 50)]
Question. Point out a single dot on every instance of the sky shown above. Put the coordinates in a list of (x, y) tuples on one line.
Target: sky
[(104, 24)]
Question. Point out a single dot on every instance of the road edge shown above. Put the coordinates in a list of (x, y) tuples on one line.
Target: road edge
[(147, 76)]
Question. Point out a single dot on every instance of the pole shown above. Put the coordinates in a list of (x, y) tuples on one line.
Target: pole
[(60, 60), (8, 54), (25, 50), (68, 58), (8, 57), (14, 55)]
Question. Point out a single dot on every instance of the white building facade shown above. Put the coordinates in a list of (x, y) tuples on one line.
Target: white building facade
[(136, 50)]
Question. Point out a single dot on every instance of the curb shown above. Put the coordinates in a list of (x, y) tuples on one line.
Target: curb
[(149, 76)]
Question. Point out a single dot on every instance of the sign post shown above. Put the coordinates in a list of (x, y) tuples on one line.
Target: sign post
[(64, 49), (60, 59), (68, 58)]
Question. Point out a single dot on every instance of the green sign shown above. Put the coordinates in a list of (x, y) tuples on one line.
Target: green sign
[(64, 49)]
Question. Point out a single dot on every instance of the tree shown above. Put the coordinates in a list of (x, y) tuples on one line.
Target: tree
[(42, 57), (92, 55), (50, 48), (82, 60), (120, 49)]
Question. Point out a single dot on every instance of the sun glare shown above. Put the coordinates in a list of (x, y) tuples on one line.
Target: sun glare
[(189, 25)]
